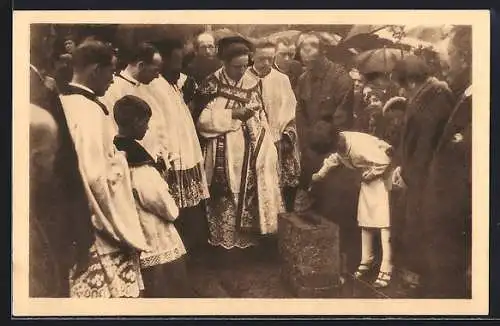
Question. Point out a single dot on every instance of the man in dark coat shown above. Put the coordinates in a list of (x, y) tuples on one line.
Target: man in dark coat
[(447, 207), (325, 92), (59, 211), (429, 106)]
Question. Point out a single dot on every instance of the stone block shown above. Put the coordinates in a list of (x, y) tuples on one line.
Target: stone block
[(310, 254)]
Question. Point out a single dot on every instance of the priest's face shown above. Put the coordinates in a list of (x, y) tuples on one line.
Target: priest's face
[(150, 71), (236, 67), (103, 77), (263, 59), (206, 45)]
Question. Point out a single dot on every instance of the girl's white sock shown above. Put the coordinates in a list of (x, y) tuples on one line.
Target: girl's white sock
[(367, 255), (385, 237)]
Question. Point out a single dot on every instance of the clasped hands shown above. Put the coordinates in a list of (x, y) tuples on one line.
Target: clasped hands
[(242, 113)]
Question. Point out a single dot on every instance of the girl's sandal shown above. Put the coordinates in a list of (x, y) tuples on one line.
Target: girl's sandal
[(362, 270), (383, 280)]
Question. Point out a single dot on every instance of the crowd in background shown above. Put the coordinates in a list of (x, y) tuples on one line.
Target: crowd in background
[(423, 111)]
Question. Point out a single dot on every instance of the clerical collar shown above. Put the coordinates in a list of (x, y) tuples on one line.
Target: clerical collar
[(82, 87), (136, 154), (78, 89), (259, 74), (127, 77)]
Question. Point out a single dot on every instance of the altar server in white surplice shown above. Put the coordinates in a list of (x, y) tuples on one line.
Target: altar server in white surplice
[(143, 66), (112, 269), (186, 177), (279, 105)]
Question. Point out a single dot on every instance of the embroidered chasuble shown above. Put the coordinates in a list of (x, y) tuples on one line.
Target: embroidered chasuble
[(241, 162)]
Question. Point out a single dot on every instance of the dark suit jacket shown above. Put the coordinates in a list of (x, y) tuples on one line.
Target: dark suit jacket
[(325, 93)]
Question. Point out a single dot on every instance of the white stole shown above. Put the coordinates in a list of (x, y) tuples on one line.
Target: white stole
[(279, 102)]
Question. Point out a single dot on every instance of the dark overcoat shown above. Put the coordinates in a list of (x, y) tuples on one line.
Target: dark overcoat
[(447, 206), (426, 115)]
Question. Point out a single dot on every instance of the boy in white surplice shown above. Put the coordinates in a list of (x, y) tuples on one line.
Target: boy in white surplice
[(163, 268), (371, 156), (279, 104)]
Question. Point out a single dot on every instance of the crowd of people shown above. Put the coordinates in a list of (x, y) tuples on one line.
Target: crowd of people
[(143, 163)]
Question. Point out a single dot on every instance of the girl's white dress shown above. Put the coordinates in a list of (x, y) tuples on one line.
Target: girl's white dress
[(367, 154)]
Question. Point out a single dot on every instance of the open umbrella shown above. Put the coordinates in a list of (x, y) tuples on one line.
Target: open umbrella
[(378, 60), (406, 42)]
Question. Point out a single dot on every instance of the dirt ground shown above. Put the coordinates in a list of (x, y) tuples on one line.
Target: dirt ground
[(255, 273)]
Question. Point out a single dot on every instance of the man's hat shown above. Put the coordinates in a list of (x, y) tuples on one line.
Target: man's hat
[(229, 43)]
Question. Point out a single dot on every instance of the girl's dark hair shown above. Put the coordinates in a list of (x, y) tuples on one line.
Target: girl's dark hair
[(323, 137), (129, 108), (410, 69)]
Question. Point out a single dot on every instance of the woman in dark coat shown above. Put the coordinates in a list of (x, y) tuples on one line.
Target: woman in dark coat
[(447, 207), (428, 108)]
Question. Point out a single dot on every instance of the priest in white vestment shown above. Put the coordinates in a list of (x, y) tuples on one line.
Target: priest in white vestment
[(113, 268), (279, 105), (241, 159), (186, 177), (143, 66)]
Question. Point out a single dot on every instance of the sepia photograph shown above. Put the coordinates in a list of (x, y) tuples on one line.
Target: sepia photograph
[(293, 158)]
